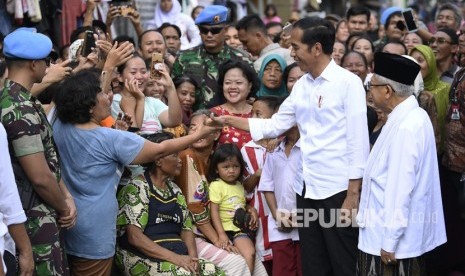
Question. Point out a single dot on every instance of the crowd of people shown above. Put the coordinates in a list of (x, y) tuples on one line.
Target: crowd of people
[(219, 143)]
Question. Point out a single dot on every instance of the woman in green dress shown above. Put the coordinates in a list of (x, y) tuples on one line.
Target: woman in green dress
[(154, 225)]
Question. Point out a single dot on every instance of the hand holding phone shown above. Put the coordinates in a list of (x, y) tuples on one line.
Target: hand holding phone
[(126, 10), (89, 43), (410, 20), (156, 65)]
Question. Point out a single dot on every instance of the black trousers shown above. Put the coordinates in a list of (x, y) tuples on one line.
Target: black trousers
[(327, 250), (451, 255), (11, 264)]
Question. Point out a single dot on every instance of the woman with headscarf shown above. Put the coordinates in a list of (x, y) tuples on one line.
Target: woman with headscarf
[(426, 101), (440, 90), (170, 11), (271, 77)]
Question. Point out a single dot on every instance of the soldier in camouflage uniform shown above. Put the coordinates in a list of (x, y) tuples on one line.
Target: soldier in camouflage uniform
[(202, 62), (45, 199)]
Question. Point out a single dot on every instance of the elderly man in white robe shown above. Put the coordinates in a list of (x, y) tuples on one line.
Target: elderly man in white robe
[(400, 213)]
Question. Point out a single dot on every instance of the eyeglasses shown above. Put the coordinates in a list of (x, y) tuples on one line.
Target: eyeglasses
[(439, 40), (369, 85), (213, 30)]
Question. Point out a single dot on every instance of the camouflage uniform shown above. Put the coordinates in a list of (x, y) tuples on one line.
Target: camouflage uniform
[(203, 68), (29, 132)]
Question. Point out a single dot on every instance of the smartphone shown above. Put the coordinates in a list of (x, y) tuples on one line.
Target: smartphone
[(157, 62), (89, 43), (287, 29), (409, 20), (125, 8)]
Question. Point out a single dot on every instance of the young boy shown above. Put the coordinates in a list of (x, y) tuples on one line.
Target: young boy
[(277, 184)]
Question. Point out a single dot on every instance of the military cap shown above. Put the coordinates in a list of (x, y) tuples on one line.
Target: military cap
[(26, 43), (387, 65), (212, 15)]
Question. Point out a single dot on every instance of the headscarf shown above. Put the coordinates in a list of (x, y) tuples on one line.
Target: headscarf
[(438, 88), (280, 91), (163, 17)]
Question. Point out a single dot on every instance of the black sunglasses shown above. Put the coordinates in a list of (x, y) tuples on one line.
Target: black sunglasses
[(213, 30), (47, 61)]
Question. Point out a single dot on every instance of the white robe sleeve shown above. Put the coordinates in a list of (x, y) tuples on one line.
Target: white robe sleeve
[(399, 185)]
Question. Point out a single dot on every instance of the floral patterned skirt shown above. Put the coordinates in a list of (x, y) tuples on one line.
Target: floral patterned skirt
[(131, 264)]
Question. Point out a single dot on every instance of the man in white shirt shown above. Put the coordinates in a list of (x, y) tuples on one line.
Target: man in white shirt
[(400, 216), (328, 105), (12, 217)]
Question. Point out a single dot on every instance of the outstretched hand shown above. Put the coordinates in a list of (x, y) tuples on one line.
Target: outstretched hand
[(215, 121), (205, 129)]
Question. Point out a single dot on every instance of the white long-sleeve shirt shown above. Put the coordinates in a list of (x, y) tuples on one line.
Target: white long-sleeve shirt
[(11, 210), (277, 177), (330, 112), (400, 205)]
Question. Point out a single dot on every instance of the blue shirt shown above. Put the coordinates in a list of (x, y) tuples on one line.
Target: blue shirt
[(91, 160)]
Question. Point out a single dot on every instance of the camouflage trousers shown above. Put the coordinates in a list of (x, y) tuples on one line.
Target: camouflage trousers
[(47, 242)]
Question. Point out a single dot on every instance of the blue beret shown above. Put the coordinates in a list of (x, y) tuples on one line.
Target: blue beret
[(212, 15), (387, 12), (26, 43)]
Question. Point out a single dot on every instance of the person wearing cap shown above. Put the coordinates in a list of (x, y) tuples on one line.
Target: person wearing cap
[(395, 26), (202, 62), (329, 107), (253, 36), (388, 20), (48, 205), (400, 212)]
